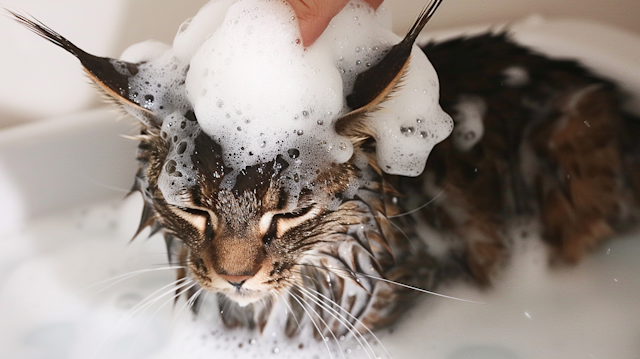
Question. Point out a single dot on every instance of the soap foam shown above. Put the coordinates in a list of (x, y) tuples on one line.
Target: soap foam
[(259, 93), (55, 304)]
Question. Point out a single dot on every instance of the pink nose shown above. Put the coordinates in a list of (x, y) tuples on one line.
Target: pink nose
[(235, 279)]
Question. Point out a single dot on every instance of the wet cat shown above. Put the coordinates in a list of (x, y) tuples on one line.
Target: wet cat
[(533, 136)]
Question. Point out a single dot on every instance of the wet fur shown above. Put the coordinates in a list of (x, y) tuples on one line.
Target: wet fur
[(557, 146), (563, 120)]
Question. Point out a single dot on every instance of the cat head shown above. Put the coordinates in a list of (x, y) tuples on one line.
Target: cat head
[(256, 227)]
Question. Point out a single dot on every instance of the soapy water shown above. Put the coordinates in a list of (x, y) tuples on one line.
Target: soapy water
[(90, 295), (73, 288), (259, 93)]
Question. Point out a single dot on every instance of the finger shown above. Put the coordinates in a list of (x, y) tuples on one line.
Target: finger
[(375, 4), (314, 15)]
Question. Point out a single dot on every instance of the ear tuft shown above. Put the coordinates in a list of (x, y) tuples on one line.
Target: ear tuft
[(110, 75)]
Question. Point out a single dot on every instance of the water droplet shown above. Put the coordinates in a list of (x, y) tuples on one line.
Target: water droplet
[(182, 146), (408, 131), (424, 134), (148, 100), (320, 122), (170, 166), (368, 64), (419, 120), (184, 26), (305, 113), (219, 103), (276, 350), (239, 128), (263, 144), (300, 132), (293, 153), (358, 62)]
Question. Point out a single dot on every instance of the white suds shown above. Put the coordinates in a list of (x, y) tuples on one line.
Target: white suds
[(257, 92), (469, 128)]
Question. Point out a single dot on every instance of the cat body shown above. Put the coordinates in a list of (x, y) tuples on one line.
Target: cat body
[(345, 246), (550, 141)]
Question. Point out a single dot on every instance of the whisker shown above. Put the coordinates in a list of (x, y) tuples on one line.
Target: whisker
[(179, 283), (295, 297), (277, 295), (357, 321), (405, 236), (172, 298), (123, 277), (419, 208), (339, 317), (395, 283), (188, 303), (192, 300), (345, 311)]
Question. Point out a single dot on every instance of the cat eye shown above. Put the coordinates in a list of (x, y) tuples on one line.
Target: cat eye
[(198, 218), (280, 223)]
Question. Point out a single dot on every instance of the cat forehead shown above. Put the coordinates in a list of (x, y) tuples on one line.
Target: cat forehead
[(194, 168)]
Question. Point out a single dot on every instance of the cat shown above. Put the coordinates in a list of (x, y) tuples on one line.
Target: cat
[(533, 136)]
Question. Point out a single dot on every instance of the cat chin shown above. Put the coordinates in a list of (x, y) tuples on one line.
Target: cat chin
[(245, 298)]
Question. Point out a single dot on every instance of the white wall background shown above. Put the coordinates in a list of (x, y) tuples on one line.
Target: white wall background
[(38, 80)]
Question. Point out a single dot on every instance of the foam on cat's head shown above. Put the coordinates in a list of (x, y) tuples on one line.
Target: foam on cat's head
[(254, 88)]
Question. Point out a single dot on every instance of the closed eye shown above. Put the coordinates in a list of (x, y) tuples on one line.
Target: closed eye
[(275, 225), (198, 218)]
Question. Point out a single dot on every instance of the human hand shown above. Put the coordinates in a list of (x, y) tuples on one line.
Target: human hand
[(314, 15)]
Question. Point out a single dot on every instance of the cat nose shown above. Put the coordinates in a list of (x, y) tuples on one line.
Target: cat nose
[(235, 280)]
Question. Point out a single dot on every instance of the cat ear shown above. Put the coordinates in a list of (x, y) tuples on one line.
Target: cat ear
[(373, 86), (110, 75)]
